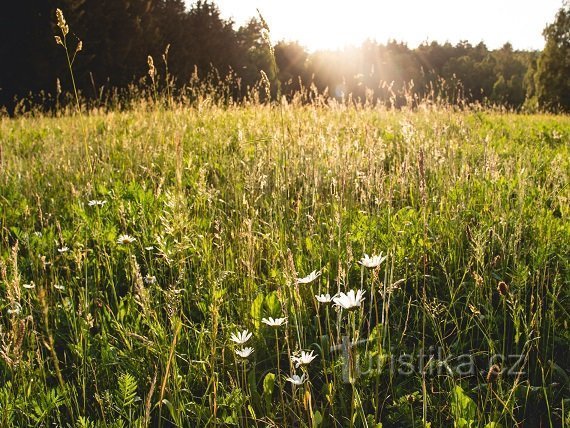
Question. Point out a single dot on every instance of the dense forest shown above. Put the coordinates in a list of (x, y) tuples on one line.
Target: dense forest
[(116, 37)]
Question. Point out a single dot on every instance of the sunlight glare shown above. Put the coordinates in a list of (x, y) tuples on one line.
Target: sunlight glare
[(318, 24)]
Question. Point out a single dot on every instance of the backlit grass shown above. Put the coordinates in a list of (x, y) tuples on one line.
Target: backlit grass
[(227, 207)]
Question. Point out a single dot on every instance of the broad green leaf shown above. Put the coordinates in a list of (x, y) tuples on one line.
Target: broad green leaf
[(254, 397), (268, 387), (273, 304), (463, 408)]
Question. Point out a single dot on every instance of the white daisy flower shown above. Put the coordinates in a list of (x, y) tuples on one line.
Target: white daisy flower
[(125, 239), (325, 298), (244, 352), (372, 262), (297, 380), (304, 359), (149, 279), (350, 300), (30, 285), (277, 322), (63, 249), (59, 287), (96, 202), (241, 337), (16, 309), (309, 278)]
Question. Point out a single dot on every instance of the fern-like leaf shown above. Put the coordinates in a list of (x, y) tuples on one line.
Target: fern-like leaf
[(126, 390)]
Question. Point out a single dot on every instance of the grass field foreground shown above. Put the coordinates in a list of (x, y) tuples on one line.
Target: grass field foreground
[(134, 244)]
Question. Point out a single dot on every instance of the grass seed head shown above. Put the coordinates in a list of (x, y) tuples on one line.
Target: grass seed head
[(494, 373), (151, 68), (503, 288), (61, 23)]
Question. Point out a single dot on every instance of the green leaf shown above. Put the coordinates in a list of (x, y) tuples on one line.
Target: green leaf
[(309, 244), (251, 411), (317, 419), (268, 387), (273, 304), (463, 423), (83, 422), (256, 310), (463, 408), (169, 406), (126, 393), (254, 397)]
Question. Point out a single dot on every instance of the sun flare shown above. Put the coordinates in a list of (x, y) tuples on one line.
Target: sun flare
[(322, 25)]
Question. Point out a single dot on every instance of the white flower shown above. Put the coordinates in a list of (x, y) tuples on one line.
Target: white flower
[(15, 309), (241, 337), (59, 287), (350, 300), (296, 379), (372, 262), (325, 298), (149, 279), (149, 248), (63, 249), (277, 322), (125, 239), (30, 285), (96, 202), (304, 359), (309, 278), (244, 352)]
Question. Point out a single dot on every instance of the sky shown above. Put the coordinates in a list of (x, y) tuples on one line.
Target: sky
[(333, 24)]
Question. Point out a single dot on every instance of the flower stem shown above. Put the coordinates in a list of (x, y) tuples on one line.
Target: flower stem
[(279, 378)]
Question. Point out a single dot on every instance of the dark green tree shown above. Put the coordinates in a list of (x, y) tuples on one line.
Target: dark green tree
[(509, 72), (552, 78), (118, 35), (291, 61), (211, 41), (27, 49)]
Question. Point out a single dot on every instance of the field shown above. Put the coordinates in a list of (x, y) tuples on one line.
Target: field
[(134, 244)]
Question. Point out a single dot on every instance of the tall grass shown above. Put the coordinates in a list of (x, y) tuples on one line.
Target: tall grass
[(229, 205)]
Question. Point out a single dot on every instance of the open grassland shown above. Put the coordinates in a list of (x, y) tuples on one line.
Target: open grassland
[(226, 208)]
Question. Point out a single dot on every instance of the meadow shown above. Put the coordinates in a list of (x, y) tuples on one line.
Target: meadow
[(136, 246)]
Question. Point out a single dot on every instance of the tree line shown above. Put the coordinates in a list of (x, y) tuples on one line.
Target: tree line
[(117, 37)]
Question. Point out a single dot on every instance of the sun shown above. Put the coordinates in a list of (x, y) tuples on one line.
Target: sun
[(323, 25)]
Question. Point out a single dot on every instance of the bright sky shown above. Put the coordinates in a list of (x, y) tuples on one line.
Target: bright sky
[(330, 24)]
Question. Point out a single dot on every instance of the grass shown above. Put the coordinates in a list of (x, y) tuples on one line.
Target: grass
[(228, 207)]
